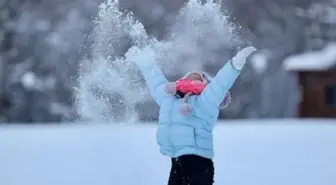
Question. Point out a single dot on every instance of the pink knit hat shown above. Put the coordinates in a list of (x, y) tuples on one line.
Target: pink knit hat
[(186, 108)]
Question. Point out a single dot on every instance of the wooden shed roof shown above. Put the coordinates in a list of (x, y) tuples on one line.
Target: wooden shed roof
[(313, 61)]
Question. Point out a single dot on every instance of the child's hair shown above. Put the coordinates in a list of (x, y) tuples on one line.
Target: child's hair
[(196, 76)]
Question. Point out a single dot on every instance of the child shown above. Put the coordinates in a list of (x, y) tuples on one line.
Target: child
[(185, 123)]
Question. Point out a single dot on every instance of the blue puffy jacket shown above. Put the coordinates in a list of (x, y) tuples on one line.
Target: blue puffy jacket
[(179, 135)]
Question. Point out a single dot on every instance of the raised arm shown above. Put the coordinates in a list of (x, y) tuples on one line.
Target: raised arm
[(215, 92), (155, 79)]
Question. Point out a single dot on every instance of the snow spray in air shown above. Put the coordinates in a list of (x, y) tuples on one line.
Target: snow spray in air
[(110, 86)]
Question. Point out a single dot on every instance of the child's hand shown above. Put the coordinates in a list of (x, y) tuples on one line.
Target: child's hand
[(140, 56), (239, 60)]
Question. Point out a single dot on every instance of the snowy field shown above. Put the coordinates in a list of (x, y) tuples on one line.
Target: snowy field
[(247, 153)]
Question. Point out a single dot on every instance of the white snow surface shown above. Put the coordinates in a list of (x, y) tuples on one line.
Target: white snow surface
[(269, 152), (314, 60)]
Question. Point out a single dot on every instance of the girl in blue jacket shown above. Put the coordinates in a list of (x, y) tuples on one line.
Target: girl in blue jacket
[(187, 138)]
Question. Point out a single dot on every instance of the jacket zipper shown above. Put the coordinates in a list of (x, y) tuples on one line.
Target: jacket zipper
[(169, 129)]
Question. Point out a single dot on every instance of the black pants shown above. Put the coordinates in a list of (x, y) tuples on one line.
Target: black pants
[(191, 170)]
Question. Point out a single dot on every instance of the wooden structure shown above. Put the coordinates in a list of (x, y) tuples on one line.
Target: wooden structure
[(318, 94), (317, 76)]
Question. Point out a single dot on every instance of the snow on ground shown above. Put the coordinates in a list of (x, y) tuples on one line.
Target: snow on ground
[(257, 152)]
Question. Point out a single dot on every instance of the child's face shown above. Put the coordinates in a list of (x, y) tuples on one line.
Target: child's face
[(198, 77)]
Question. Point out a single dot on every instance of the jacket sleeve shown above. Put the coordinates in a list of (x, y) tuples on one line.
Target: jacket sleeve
[(212, 96), (154, 78)]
